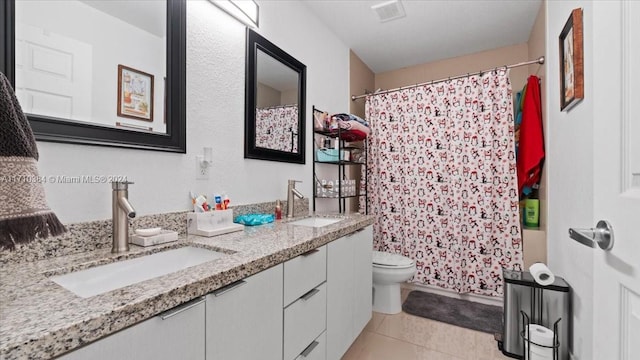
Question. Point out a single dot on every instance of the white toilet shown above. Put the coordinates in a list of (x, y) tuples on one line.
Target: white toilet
[(389, 270)]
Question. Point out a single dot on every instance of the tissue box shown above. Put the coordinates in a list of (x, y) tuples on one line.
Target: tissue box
[(212, 223)]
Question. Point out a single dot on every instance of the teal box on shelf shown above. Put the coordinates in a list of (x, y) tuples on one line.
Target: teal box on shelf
[(328, 155)]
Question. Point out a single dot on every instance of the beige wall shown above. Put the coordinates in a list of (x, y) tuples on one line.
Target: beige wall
[(536, 49), (289, 97), (361, 80), (535, 241), (267, 96), (457, 66)]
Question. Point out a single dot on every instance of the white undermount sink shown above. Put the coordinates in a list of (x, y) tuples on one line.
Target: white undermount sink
[(105, 278), (315, 221)]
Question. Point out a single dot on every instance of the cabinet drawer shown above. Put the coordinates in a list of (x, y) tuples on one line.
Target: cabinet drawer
[(304, 321), (304, 273), (178, 333), (317, 350)]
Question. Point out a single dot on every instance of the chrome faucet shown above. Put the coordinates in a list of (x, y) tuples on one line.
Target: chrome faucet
[(291, 192), (122, 211)]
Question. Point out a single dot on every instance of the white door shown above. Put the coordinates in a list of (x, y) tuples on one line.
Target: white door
[(616, 85), (53, 74)]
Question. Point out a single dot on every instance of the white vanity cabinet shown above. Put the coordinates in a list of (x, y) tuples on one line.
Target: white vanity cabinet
[(244, 319), (178, 333), (305, 305), (311, 307), (349, 290)]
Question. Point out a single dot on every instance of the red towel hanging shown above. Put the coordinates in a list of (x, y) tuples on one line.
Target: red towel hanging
[(531, 151)]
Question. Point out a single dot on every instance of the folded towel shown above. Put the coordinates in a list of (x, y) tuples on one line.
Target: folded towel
[(24, 214), (353, 125), (350, 117)]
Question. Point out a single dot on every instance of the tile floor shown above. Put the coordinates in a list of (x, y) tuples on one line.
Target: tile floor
[(407, 337)]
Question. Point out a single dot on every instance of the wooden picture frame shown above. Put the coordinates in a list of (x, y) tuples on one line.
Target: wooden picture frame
[(571, 62), (135, 94)]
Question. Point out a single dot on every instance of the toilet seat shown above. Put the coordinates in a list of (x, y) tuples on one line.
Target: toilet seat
[(391, 261)]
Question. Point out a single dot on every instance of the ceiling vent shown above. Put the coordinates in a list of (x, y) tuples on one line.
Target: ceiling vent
[(389, 10)]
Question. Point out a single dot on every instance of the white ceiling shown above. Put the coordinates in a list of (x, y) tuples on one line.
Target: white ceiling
[(432, 29), (148, 15)]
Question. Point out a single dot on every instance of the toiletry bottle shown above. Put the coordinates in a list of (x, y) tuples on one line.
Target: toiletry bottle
[(218, 201), (225, 202), (278, 210)]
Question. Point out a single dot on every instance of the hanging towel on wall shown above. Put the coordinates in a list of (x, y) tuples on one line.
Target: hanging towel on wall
[(24, 214), (531, 150)]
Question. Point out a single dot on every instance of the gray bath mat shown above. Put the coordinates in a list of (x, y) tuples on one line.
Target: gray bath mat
[(463, 313)]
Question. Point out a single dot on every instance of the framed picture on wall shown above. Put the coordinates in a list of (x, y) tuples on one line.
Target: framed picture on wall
[(135, 94), (571, 62)]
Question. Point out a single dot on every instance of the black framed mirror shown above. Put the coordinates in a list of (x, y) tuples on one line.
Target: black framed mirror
[(53, 66), (275, 103)]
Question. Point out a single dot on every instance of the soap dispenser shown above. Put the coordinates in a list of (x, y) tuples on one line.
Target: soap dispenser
[(278, 210)]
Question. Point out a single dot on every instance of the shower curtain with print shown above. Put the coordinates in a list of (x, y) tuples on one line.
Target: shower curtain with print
[(277, 128), (442, 181)]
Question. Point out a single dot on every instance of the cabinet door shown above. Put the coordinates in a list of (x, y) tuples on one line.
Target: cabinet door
[(363, 279), (244, 319), (340, 297), (176, 334)]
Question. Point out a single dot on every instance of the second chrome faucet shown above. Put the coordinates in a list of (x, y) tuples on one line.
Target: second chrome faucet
[(292, 192)]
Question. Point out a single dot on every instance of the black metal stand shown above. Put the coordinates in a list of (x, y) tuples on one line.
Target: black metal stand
[(526, 337), (342, 166)]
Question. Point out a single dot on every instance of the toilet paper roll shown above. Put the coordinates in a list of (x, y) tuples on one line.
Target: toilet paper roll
[(540, 335), (541, 274)]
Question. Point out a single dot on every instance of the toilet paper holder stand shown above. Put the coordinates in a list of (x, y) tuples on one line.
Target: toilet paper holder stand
[(526, 337), (601, 235)]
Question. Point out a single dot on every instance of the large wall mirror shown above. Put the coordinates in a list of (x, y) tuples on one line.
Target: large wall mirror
[(101, 72), (275, 103)]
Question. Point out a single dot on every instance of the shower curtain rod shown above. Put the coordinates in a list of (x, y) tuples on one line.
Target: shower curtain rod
[(539, 60)]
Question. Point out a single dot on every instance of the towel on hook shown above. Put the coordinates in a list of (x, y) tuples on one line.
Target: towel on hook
[(24, 214), (531, 150)]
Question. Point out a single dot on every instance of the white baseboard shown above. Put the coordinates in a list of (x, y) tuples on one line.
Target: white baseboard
[(488, 300)]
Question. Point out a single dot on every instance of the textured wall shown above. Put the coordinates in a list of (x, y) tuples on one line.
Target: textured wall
[(215, 117)]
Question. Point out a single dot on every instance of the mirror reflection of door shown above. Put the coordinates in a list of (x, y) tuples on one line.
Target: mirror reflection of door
[(277, 116), (68, 53)]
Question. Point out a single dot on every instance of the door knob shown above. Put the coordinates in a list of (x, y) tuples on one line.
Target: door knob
[(602, 235)]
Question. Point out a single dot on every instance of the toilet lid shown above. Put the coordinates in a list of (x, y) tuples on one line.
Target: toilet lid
[(391, 260)]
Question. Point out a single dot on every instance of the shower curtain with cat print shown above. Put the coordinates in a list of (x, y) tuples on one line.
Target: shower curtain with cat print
[(442, 181)]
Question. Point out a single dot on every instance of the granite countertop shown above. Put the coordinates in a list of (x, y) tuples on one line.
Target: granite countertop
[(40, 319)]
